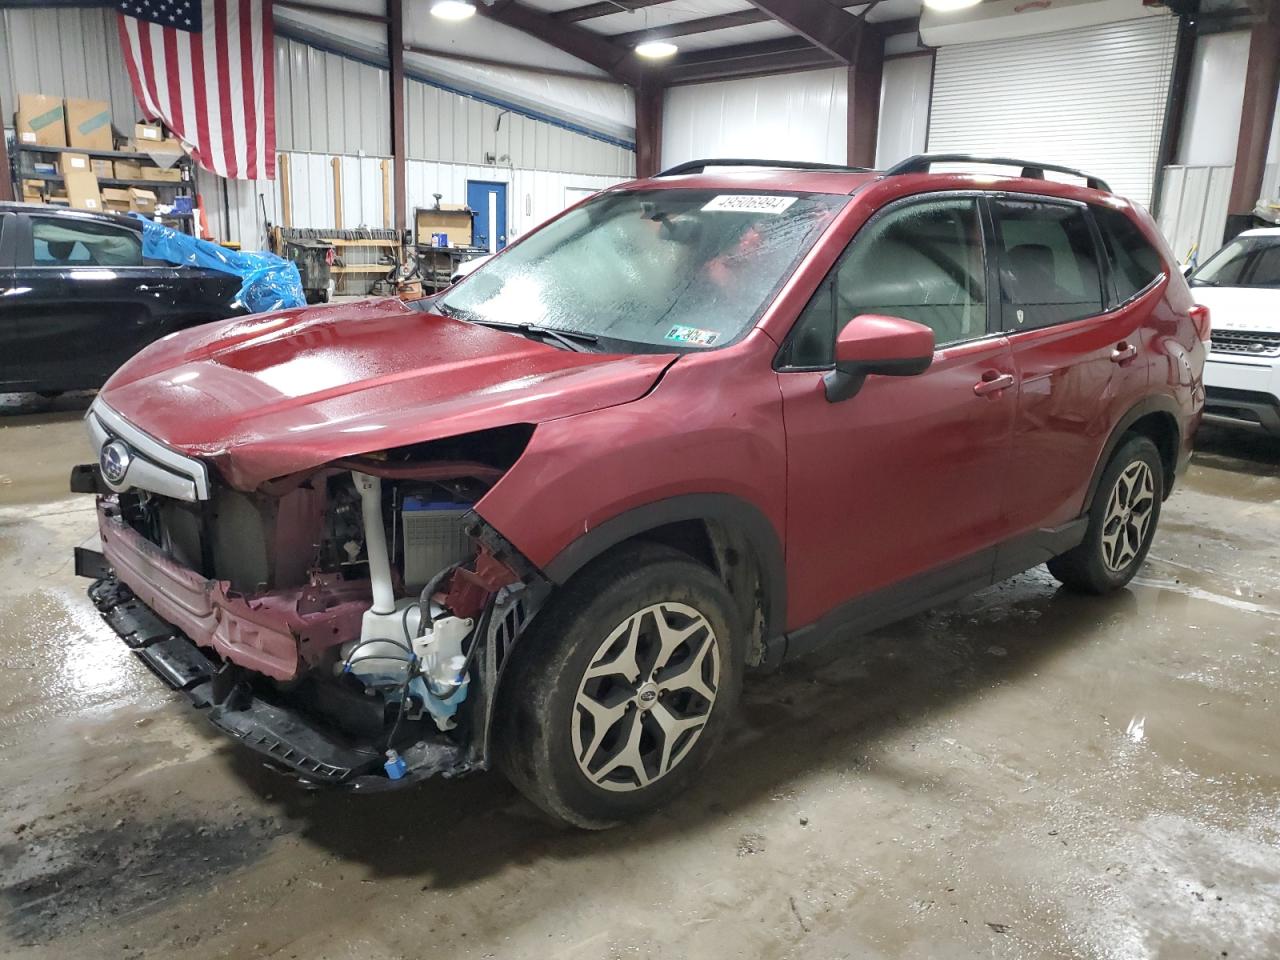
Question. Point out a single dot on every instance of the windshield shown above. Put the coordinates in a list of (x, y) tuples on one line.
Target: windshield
[(659, 268), (1244, 262)]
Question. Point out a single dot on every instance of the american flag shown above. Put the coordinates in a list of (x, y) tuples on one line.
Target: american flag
[(205, 67)]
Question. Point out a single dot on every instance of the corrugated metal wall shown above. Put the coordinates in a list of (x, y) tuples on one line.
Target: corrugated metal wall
[(532, 195), (1193, 209), (66, 52), (443, 125), (326, 103), (790, 116)]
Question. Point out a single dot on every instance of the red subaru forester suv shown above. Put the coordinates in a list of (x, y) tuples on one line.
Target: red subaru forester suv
[(697, 423)]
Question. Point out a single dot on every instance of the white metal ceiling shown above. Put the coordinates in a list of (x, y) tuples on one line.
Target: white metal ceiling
[(682, 11)]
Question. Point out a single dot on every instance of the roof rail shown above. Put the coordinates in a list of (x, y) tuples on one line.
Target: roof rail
[(1031, 169), (698, 166)]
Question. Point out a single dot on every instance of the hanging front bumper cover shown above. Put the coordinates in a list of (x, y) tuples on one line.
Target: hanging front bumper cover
[(284, 737)]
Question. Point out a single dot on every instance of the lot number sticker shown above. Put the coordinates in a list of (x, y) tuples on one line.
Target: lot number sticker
[(750, 203), (693, 336)]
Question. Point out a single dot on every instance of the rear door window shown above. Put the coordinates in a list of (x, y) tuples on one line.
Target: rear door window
[(1048, 264), (1135, 263), (70, 242)]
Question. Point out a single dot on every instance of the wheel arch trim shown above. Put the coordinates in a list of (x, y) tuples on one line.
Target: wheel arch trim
[(1159, 404), (733, 512)]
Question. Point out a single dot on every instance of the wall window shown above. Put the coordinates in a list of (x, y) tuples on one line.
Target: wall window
[(83, 243), (1048, 264), (1134, 261), (922, 262)]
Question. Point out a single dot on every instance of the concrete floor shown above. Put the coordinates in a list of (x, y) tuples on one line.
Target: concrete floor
[(1025, 774)]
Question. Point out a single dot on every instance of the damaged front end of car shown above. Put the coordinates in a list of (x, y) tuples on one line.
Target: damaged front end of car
[(350, 623)]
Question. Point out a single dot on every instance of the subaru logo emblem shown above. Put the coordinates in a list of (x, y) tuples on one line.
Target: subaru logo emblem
[(648, 696), (114, 462)]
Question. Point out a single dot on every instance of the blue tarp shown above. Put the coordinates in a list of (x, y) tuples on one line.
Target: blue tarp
[(269, 282)]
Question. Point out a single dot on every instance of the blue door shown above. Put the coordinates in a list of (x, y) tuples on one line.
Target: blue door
[(489, 201)]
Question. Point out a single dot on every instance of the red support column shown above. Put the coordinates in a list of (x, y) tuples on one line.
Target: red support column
[(1261, 81), (865, 76), (649, 98), (395, 51)]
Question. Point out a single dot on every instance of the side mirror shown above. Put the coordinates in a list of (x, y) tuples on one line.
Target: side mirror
[(884, 346)]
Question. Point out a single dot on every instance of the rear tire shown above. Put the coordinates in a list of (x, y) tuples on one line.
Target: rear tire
[(622, 688), (1122, 521)]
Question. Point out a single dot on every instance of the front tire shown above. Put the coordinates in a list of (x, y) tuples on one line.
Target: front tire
[(1122, 521), (622, 688)]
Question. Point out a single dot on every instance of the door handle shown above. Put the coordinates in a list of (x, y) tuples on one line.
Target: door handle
[(993, 382), (1123, 351)]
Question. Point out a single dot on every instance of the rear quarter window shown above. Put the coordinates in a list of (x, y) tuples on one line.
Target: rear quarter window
[(1134, 261)]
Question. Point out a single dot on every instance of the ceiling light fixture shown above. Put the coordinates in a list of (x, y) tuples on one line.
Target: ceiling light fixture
[(950, 6), (656, 49), (453, 9)]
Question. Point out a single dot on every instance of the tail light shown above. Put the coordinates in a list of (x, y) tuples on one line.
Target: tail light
[(1200, 317)]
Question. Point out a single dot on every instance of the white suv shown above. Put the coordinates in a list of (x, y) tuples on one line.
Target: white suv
[(1240, 284)]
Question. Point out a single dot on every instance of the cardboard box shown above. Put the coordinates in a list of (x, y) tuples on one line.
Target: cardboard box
[(70, 163), (33, 191), (88, 124), (57, 200), (147, 133), (172, 175), (142, 201), (127, 170), (40, 121), (103, 169), (167, 145), (116, 200), (82, 189), (453, 220)]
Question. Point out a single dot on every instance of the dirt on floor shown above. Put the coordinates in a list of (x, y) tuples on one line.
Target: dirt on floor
[(1027, 773)]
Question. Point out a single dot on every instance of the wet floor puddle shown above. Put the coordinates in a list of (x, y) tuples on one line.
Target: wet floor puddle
[(98, 870)]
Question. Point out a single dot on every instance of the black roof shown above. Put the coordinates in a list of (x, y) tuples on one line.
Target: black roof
[(49, 210)]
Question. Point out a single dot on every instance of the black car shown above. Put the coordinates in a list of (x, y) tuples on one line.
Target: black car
[(77, 298)]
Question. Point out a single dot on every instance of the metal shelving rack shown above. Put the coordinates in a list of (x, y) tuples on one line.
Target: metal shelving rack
[(24, 169)]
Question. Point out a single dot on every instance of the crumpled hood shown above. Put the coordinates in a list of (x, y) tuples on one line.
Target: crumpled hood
[(274, 394), (1241, 308)]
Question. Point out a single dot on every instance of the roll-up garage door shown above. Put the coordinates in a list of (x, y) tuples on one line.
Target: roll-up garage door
[(1092, 98)]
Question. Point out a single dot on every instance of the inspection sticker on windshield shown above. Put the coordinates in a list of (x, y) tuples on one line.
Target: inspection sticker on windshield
[(750, 203), (693, 336)]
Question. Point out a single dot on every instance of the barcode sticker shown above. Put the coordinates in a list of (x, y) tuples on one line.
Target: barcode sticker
[(750, 203)]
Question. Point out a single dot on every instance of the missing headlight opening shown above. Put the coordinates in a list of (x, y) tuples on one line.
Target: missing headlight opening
[(352, 622)]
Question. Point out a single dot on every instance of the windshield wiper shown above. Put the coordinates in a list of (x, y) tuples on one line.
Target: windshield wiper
[(451, 311), (571, 339)]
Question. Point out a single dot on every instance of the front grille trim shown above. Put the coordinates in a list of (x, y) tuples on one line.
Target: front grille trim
[(1245, 343), (155, 468)]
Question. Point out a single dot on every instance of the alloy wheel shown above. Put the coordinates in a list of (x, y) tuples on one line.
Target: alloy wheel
[(1129, 512), (646, 697)]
